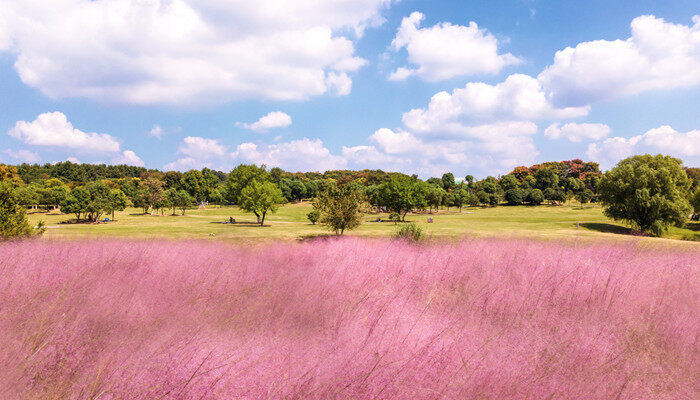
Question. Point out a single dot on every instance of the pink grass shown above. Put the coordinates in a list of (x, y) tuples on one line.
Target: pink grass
[(347, 319)]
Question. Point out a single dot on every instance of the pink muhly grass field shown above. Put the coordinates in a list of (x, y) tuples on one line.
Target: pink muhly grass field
[(347, 319)]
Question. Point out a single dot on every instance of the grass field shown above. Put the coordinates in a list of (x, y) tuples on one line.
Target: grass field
[(290, 223), (348, 319)]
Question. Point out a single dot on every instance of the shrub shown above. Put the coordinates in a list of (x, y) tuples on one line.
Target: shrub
[(410, 232)]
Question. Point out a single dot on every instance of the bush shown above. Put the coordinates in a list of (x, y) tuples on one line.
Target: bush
[(410, 232), (313, 216), (514, 197)]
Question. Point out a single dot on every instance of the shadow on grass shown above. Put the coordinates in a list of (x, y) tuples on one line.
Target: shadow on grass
[(242, 223), (693, 226), (315, 237), (607, 228)]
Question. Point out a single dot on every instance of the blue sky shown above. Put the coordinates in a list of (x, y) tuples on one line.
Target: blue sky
[(417, 86)]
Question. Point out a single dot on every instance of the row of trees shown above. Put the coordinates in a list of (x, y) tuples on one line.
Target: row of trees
[(259, 191)]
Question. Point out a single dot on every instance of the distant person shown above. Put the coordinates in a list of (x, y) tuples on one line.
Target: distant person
[(230, 220)]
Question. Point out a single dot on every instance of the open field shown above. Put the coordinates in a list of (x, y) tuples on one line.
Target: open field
[(290, 223), (347, 319)]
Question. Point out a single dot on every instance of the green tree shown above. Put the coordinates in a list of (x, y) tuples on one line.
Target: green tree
[(403, 194), (117, 201), (76, 202), (649, 192), (460, 198), (535, 197), (509, 182), (448, 181), (695, 201), (180, 199), (434, 197), (240, 177), (546, 178), (98, 200), (28, 195), (13, 217), (298, 190), (261, 198), (54, 192), (313, 216), (514, 196), (340, 208), (584, 196), (152, 191)]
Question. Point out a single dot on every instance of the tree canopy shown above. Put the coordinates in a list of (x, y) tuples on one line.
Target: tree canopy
[(649, 192)]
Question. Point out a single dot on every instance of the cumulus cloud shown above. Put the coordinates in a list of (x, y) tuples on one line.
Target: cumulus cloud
[(444, 51), (275, 119), (184, 52), (198, 152), (519, 97), (296, 155), (128, 157), (54, 130), (658, 55), (577, 132), (664, 139)]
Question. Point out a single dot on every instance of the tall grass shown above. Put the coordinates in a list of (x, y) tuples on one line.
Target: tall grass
[(347, 319)]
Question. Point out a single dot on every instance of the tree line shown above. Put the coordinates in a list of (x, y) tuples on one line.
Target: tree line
[(260, 191)]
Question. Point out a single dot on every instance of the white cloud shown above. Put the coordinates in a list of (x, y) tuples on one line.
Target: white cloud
[(128, 157), (199, 152), (391, 142), (54, 130), (577, 132), (184, 52), (519, 97), (444, 51), (156, 132), (23, 156), (664, 140), (659, 55), (73, 160), (296, 155), (275, 119), (198, 147)]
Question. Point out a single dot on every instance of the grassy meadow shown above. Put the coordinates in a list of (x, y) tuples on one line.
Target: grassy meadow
[(350, 318), (290, 223)]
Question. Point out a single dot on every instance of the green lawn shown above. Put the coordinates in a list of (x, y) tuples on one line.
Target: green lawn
[(290, 223)]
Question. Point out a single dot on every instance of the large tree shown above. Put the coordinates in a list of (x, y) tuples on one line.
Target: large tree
[(242, 176), (261, 198), (340, 208), (116, 202), (649, 192), (403, 194), (13, 217)]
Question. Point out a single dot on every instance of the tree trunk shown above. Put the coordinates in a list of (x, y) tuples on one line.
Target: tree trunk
[(262, 220), (112, 214)]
